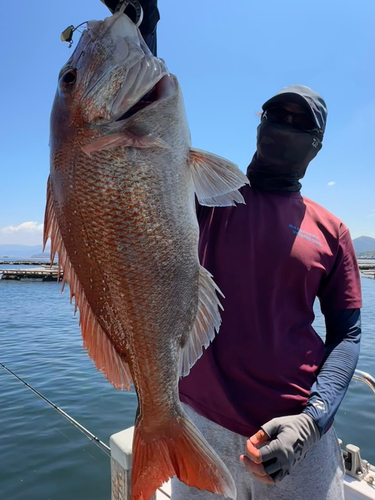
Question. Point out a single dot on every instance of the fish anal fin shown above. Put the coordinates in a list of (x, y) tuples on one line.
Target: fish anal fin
[(216, 180), (101, 349), (178, 451), (207, 322), (95, 340)]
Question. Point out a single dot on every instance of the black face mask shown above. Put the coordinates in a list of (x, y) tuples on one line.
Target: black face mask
[(282, 156)]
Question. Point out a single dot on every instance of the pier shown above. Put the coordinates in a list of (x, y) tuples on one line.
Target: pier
[(367, 269), (20, 262), (44, 273)]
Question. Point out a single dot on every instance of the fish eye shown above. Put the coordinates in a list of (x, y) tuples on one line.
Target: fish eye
[(68, 79)]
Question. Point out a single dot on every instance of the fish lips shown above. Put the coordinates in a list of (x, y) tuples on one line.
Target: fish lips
[(146, 82), (164, 88), (132, 69)]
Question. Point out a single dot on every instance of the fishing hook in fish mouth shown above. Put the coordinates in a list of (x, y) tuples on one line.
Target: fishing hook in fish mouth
[(67, 34), (122, 4)]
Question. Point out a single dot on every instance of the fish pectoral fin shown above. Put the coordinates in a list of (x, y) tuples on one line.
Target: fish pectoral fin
[(207, 322), (124, 139), (95, 339), (216, 180), (179, 450)]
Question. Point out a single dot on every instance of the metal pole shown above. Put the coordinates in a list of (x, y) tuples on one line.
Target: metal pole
[(365, 377)]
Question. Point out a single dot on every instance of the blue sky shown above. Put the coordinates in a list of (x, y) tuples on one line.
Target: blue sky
[(229, 57)]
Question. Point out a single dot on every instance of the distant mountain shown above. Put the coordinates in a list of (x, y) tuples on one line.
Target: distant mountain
[(364, 244), (23, 251)]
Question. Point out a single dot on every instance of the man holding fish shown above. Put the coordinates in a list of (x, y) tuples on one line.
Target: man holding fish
[(265, 392), (298, 109)]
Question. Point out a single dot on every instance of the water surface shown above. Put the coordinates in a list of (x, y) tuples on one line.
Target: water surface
[(42, 456)]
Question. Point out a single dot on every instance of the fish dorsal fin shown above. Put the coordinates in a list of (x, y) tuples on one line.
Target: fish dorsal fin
[(95, 340), (207, 322), (216, 180)]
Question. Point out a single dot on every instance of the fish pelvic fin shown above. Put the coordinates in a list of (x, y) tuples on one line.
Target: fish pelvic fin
[(95, 339), (216, 180), (207, 322), (180, 451)]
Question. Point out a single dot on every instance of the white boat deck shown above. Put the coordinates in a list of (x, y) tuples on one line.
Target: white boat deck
[(357, 490)]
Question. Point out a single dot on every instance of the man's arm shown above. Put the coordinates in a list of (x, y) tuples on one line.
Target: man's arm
[(151, 17), (340, 360), (291, 437)]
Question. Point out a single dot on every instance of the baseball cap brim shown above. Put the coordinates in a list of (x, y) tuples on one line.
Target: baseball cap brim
[(313, 103)]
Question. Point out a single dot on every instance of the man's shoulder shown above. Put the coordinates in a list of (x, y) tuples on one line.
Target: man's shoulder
[(323, 216)]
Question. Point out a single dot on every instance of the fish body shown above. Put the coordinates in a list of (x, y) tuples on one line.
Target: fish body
[(121, 215)]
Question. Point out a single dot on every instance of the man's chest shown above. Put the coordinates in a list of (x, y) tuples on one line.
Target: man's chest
[(264, 240)]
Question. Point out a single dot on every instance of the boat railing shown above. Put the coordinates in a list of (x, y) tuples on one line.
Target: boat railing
[(355, 466), (366, 378)]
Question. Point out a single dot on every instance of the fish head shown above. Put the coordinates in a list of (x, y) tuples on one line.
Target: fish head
[(110, 71)]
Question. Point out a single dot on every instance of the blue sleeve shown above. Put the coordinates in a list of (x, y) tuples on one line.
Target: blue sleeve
[(340, 360)]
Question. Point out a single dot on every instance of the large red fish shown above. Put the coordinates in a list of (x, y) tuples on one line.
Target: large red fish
[(121, 215)]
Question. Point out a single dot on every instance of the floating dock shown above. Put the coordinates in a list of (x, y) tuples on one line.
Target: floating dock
[(44, 273), (367, 269), (20, 262)]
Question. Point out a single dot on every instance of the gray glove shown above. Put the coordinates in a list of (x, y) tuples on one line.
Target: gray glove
[(291, 438)]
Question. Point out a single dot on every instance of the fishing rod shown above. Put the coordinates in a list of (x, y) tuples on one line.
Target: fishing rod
[(106, 449)]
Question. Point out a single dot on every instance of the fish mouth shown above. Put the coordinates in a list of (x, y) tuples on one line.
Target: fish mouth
[(163, 89)]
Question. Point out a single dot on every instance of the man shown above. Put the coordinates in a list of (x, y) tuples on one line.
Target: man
[(268, 375), (268, 379)]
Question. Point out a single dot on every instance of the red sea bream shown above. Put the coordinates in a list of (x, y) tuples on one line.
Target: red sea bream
[(121, 216)]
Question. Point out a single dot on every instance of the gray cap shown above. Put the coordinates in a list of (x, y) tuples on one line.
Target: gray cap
[(304, 96)]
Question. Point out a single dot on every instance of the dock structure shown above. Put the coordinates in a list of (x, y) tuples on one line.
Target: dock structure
[(20, 262), (367, 269), (369, 273), (44, 273)]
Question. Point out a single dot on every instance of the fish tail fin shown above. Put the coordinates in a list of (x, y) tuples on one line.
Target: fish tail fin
[(180, 451)]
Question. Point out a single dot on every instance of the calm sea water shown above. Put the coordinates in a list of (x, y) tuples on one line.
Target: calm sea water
[(42, 456)]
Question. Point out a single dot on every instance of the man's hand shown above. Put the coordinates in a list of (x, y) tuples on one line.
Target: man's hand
[(289, 439)]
